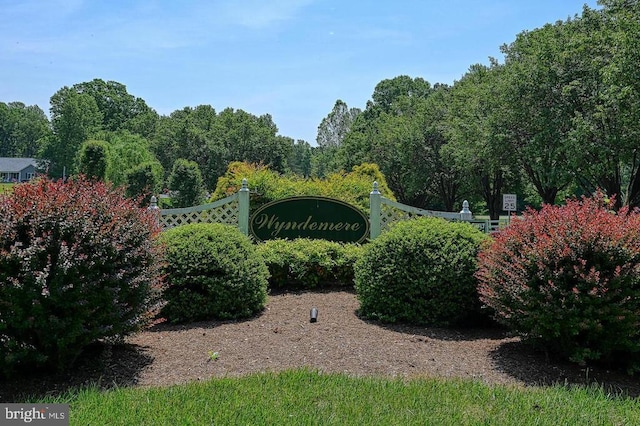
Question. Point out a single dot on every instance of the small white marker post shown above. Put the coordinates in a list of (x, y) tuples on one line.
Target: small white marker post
[(509, 203)]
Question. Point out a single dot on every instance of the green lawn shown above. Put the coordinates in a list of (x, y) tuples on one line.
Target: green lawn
[(6, 187), (301, 397)]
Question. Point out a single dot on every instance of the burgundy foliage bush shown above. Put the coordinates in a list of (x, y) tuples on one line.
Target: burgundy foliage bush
[(568, 279), (78, 262)]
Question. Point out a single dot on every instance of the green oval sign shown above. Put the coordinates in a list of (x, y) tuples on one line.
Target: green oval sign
[(309, 217)]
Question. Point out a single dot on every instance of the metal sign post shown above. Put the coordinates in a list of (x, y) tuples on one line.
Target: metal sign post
[(509, 203)]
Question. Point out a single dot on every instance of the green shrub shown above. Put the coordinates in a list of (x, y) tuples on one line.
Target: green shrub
[(93, 159), (126, 152), (143, 181), (78, 263), (421, 271), (266, 185), (186, 180), (309, 263), (213, 271), (567, 279)]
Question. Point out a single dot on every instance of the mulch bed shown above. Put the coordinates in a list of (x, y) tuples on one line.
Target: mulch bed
[(282, 337)]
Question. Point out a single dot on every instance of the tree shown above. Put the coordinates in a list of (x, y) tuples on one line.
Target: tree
[(474, 136), (93, 159), (387, 92), (408, 147), (22, 129), (120, 110), (74, 117), (356, 146), (186, 180), (403, 131), (215, 140), (606, 123), (252, 139), (144, 180), (324, 160), (336, 125), (126, 152), (189, 133), (299, 160), (538, 119)]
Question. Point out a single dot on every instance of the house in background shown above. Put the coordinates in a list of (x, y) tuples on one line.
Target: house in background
[(17, 169)]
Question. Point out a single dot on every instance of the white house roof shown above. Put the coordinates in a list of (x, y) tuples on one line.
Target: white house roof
[(15, 165)]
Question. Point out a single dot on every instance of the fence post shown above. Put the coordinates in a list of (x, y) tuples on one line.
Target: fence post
[(153, 207), (465, 213), (374, 212), (243, 207)]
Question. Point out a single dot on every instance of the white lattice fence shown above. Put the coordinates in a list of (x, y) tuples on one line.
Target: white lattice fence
[(384, 212), (392, 211), (232, 210), (226, 212), (389, 215)]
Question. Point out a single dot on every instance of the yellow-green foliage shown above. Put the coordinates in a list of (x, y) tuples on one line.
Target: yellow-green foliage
[(266, 185), (6, 188)]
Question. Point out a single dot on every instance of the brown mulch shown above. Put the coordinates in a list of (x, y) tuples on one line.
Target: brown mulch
[(282, 337)]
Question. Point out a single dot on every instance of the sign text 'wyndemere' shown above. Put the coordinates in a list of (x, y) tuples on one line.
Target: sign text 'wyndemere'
[(309, 217)]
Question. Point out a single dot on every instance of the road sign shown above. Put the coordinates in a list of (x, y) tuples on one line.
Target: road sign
[(509, 202)]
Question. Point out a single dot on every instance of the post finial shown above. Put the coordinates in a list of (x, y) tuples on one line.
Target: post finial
[(245, 186), (375, 188), (153, 203), (465, 213)]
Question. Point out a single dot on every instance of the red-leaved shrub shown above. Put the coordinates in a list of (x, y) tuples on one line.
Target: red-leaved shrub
[(78, 262), (567, 278)]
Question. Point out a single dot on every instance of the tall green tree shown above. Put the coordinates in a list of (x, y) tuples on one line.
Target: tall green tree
[(403, 131), (253, 139), (299, 160), (388, 91), (75, 117), (93, 159), (408, 147), (356, 147), (475, 141), (126, 151), (331, 132), (186, 180), (607, 121), (144, 180), (539, 118), (334, 127), (189, 133), (324, 161), (120, 110), (215, 140), (23, 129)]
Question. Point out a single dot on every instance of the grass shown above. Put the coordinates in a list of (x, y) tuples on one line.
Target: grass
[(6, 188), (303, 397)]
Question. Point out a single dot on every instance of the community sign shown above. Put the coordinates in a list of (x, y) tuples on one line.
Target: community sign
[(309, 217)]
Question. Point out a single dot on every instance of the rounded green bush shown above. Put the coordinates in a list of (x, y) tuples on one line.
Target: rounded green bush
[(421, 271), (309, 263), (212, 272), (567, 279)]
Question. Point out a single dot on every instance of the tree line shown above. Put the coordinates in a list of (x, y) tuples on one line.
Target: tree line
[(559, 116)]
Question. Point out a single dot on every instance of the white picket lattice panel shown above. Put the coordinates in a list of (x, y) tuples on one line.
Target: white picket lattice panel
[(226, 212), (392, 211), (389, 215)]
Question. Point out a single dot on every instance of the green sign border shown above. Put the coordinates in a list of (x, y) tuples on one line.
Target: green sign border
[(305, 219)]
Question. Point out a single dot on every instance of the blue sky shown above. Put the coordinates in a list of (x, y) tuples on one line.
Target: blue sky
[(289, 58)]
